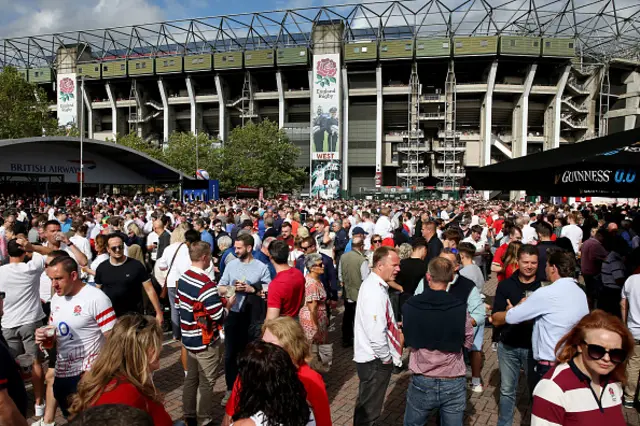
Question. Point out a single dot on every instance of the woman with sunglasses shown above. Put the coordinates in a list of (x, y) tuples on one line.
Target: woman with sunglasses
[(123, 372), (313, 315), (586, 387)]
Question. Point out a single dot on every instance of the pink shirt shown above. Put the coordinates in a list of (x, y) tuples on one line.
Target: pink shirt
[(441, 364)]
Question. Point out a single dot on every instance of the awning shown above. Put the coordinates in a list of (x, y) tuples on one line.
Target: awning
[(605, 166)]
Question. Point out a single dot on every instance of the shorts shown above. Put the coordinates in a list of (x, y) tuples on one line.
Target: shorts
[(478, 338), (22, 340), (63, 388)]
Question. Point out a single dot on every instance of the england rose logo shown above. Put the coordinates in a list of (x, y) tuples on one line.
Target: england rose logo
[(326, 70), (67, 86)]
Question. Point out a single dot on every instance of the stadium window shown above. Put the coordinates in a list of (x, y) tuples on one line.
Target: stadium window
[(536, 44), (547, 44), (280, 53), (137, 65), (36, 74), (484, 43), (96, 69), (105, 68), (172, 63), (302, 53), (513, 43), (122, 67), (194, 61), (224, 59), (408, 46), (143, 65), (269, 55), (80, 70), (458, 44), (384, 48), (231, 58), (420, 47), (570, 45), (248, 56), (445, 45), (165, 63), (356, 50), (364, 49)]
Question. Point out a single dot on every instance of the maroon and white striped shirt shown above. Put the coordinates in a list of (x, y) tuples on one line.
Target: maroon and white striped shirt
[(564, 397)]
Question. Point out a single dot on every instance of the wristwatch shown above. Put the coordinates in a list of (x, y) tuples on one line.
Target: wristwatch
[(70, 243)]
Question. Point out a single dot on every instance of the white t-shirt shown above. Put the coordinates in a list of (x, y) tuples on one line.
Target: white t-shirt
[(94, 265), (259, 419), (573, 233), (529, 234), (631, 292), (21, 283), (83, 245), (181, 264), (151, 239), (81, 322)]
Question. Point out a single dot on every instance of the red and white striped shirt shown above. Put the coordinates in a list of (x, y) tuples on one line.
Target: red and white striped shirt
[(564, 397), (81, 322)]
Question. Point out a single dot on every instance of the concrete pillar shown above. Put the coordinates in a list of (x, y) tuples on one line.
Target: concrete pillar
[(196, 113), (379, 109), (168, 119), (552, 116), (282, 107), (223, 128), (485, 118), (114, 110), (632, 103), (345, 130), (521, 116), (88, 114)]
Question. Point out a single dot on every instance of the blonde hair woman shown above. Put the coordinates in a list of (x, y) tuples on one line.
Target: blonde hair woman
[(288, 334), (123, 372), (177, 236)]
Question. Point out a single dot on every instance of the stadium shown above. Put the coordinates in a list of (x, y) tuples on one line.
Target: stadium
[(383, 96)]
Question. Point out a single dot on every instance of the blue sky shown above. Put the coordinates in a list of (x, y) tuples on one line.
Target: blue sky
[(30, 17)]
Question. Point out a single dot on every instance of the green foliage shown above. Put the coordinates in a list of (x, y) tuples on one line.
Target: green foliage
[(260, 155), (24, 108), (257, 155), (70, 131)]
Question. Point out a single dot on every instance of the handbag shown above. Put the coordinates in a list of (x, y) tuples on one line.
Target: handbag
[(165, 291)]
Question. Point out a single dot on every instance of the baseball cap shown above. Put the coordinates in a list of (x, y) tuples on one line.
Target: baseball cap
[(358, 231)]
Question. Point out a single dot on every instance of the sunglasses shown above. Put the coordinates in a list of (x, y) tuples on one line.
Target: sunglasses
[(319, 265), (597, 352), (305, 248), (117, 248), (376, 241)]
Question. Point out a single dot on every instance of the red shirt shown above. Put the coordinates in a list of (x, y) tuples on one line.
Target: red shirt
[(127, 394), (316, 395), (497, 258), (497, 225), (286, 292)]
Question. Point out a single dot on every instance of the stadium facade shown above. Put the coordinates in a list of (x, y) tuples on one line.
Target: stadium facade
[(391, 94)]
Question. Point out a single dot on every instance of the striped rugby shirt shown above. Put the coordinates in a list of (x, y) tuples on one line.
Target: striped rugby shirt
[(196, 286), (564, 397)]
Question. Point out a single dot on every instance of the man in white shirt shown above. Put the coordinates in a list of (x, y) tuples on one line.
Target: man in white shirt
[(83, 317), (630, 305), (378, 341), (23, 312), (573, 232), (529, 234), (383, 225), (368, 226)]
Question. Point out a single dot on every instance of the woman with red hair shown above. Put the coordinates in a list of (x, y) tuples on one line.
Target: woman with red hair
[(585, 388)]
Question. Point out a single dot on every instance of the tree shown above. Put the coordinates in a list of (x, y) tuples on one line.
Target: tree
[(24, 108), (180, 153), (260, 155)]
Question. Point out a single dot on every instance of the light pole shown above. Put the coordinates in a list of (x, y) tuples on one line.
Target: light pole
[(81, 136)]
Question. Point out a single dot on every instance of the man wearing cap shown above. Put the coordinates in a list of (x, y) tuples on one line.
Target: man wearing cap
[(356, 231), (65, 221)]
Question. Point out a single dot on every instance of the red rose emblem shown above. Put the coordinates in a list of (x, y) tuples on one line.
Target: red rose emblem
[(77, 310), (67, 85), (327, 68)]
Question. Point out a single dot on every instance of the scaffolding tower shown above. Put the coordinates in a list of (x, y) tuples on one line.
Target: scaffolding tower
[(413, 148), (247, 105), (451, 148), (134, 108), (605, 94)]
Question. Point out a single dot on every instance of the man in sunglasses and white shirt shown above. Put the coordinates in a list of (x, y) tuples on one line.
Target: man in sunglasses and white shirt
[(549, 307), (122, 279)]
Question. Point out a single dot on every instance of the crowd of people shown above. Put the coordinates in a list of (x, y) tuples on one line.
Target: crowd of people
[(88, 287)]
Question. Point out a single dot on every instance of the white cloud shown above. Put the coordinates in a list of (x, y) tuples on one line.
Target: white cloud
[(31, 17)]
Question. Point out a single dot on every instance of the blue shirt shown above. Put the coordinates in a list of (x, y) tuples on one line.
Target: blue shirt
[(207, 238), (347, 249), (65, 226), (265, 259), (556, 309), (254, 273)]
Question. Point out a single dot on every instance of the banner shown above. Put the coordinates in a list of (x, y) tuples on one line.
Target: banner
[(326, 167), (67, 100)]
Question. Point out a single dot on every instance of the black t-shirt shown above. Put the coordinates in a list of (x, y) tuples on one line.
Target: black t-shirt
[(543, 246), (516, 335), (123, 284), (11, 380), (411, 272)]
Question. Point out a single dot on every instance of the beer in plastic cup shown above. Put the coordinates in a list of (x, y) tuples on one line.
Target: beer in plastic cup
[(49, 333)]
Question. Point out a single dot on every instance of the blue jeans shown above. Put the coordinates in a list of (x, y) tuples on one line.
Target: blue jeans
[(510, 361), (426, 394), (176, 331)]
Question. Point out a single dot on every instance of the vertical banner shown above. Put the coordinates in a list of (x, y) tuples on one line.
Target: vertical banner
[(67, 100), (326, 167)]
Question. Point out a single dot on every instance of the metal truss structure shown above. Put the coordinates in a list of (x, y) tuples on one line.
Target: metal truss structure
[(603, 29)]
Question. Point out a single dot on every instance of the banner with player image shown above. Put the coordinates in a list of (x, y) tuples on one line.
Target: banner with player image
[(325, 179), (325, 123)]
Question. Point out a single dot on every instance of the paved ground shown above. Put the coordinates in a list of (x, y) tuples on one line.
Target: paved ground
[(342, 385)]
